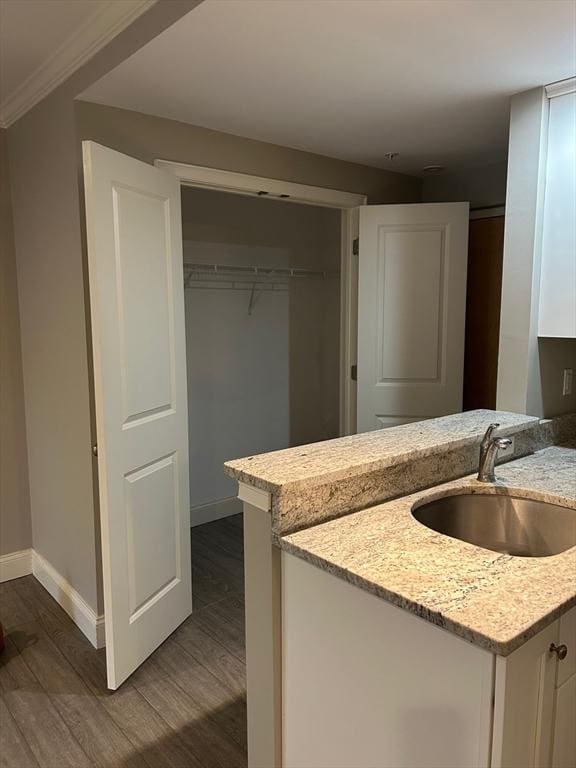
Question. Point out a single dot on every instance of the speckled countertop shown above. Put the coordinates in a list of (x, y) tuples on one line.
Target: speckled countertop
[(347, 457), (496, 601)]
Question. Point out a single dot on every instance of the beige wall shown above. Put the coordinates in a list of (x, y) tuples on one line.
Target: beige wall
[(148, 138), (46, 202), (54, 352), (15, 526)]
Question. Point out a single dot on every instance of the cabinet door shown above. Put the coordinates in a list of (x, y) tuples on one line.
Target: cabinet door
[(524, 704), (564, 751), (567, 637), (366, 684)]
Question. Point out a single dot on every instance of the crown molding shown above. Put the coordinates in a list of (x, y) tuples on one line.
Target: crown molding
[(561, 88), (98, 29)]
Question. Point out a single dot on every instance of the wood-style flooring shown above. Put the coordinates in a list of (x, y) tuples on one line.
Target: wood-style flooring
[(185, 707)]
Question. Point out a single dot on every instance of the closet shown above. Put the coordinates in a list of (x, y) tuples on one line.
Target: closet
[(262, 307), (215, 320)]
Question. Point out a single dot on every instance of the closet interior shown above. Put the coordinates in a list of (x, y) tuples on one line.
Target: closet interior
[(262, 304)]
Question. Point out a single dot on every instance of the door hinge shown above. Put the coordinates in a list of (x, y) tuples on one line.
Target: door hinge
[(354, 372), (95, 450), (356, 246)]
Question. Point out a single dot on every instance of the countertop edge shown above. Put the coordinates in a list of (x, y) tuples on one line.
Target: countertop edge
[(243, 475), (493, 645)]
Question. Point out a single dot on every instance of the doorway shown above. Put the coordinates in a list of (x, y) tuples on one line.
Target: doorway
[(262, 309), (262, 312), (483, 298)]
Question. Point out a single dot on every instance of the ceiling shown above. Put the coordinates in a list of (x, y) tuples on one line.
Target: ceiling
[(353, 79), (43, 41)]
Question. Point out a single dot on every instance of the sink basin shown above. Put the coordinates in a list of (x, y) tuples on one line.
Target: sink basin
[(508, 524)]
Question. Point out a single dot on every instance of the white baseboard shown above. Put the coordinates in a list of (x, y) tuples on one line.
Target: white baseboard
[(15, 565), (215, 510), (70, 600)]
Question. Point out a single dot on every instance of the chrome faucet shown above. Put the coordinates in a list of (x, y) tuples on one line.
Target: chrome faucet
[(489, 448)]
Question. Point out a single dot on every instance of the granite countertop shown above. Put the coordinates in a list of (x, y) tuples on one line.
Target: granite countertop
[(347, 457), (496, 601)]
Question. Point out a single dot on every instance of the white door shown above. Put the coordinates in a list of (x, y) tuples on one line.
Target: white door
[(137, 305), (411, 312)]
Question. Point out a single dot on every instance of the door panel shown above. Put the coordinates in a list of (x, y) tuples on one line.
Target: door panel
[(146, 390), (409, 275), (154, 563), (137, 306), (564, 749), (412, 293)]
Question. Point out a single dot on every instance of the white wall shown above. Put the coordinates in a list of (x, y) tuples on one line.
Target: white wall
[(268, 380), (518, 353), (237, 372)]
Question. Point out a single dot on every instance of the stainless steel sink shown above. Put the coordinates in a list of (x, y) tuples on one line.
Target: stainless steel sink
[(516, 526)]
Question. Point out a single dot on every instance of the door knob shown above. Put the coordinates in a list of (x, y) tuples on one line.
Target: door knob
[(560, 650)]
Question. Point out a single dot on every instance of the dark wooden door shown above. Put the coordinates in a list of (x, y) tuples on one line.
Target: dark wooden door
[(483, 294)]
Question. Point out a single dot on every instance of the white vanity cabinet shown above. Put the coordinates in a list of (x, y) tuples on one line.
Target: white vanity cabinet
[(366, 683)]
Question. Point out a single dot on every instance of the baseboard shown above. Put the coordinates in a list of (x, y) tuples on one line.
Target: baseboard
[(15, 565), (70, 600), (215, 510)]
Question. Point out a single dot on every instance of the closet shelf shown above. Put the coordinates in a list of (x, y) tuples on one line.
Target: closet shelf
[(236, 277), (235, 285)]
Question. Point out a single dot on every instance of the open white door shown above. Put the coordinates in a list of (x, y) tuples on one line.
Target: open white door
[(411, 312), (137, 305)]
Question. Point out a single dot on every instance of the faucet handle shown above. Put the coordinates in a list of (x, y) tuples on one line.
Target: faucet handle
[(488, 434), (502, 442)]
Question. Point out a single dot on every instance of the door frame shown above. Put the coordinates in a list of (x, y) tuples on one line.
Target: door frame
[(292, 192)]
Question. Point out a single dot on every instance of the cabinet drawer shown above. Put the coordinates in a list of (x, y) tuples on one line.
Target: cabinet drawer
[(567, 637)]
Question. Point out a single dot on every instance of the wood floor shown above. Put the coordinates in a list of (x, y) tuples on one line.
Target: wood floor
[(185, 707)]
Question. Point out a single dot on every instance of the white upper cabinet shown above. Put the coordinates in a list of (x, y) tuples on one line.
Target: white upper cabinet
[(558, 278)]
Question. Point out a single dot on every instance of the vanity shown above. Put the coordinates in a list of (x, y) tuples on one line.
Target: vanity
[(401, 613)]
